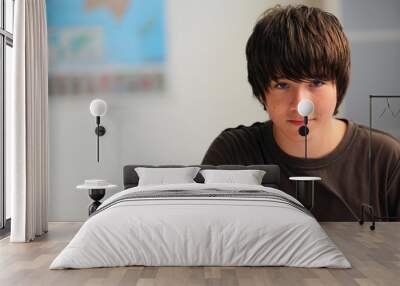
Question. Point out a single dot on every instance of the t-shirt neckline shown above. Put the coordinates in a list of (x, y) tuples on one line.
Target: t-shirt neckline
[(311, 163)]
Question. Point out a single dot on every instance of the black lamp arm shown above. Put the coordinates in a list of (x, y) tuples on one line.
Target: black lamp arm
[(305, 136), (99, 131)]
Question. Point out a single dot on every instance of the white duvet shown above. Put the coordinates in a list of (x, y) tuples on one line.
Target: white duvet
[(200, 231)]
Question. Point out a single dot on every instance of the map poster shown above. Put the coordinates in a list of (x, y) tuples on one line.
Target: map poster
[(105, 46)]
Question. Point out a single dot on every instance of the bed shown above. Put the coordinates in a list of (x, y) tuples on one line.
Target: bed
[(201, 224)]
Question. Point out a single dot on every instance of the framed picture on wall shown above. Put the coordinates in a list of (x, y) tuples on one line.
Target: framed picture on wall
[(100, 46)]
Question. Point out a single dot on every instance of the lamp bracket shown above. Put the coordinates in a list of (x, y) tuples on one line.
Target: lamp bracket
[(100, 130)]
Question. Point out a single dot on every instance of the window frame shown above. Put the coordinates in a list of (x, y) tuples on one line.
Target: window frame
[(6, 39)]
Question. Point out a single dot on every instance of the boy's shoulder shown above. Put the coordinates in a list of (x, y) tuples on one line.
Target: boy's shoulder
[(379, 137), (247, 137), (254, 130), (382, 143)]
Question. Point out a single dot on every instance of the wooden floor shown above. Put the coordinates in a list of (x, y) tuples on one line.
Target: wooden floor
[(374, 255)]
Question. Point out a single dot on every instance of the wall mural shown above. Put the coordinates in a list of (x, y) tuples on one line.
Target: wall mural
[(105, 46)]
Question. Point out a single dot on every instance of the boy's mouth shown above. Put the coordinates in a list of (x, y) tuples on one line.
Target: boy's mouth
[(298, 122)]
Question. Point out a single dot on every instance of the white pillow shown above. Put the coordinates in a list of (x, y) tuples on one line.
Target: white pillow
[(248, 177), (163, 176)]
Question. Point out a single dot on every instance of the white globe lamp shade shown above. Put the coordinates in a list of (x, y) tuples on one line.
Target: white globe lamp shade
[(305, 107), (98, 107)]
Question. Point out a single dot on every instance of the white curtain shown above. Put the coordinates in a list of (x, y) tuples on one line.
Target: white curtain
[(27, 123)]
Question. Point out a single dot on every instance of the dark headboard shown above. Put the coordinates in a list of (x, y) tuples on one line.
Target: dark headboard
[(270, 179)]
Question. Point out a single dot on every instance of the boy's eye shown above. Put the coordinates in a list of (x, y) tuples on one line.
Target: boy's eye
[(317, 82), (281, 85)]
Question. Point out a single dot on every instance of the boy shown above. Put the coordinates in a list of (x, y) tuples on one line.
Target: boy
[(297, 53)]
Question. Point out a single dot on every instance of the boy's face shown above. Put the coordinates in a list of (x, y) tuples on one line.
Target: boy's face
[(282, 99)]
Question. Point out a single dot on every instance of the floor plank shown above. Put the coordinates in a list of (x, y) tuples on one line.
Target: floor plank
[(374, 255)]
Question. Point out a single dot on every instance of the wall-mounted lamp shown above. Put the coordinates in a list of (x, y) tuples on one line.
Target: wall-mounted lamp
[(305, 185), (98, 108), (305, 108)]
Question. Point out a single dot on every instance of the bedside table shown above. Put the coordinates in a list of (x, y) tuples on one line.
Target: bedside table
[(96, 193), (305, 190)]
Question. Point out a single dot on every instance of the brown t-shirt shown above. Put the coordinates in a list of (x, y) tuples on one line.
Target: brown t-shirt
[(344, 171)]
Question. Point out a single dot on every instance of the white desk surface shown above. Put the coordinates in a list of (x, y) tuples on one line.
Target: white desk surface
[(88, 187), (305, 178)]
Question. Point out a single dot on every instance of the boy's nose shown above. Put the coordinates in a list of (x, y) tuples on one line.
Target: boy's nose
[(297, 95)]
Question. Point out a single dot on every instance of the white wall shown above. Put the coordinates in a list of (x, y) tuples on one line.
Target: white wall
[(207, 92), (373, 28)]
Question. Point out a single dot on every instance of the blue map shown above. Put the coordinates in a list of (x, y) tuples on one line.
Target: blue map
[(113, 33), (105, 46)]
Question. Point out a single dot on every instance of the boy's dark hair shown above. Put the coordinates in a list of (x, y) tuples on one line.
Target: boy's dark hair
[(297, 43)]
